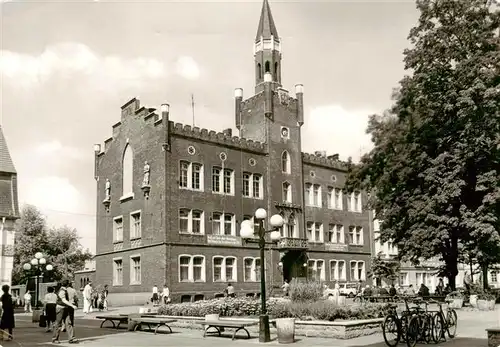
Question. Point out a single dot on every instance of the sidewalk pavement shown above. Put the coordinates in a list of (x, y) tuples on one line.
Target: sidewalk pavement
[(79, 312)]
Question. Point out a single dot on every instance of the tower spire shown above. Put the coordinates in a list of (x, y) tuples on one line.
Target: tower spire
[(267, 51), (267, 28)]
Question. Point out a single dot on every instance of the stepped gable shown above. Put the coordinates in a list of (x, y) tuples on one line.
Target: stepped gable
[(326, 162), (218, 138)]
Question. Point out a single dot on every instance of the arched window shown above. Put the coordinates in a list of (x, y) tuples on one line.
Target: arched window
[(127, 171), (291, 226), (285, 162), (259, 71), (287, 192), (81, 283), (276, 71), (268, 66)]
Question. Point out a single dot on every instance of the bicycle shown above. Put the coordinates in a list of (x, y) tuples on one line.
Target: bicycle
[(420, 327), (440, 323), (397, 325)]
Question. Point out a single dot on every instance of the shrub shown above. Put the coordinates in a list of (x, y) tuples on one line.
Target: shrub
[(486, 296), (277, 308), (308, 291)]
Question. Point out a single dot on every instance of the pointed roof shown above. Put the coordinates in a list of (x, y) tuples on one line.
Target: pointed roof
[(6, 164), (266, 28)]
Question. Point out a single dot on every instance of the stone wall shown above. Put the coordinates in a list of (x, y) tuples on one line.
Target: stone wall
[(337, 330)]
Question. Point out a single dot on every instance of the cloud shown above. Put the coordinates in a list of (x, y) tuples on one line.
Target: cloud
[(71, 60), (337, 130), (187, 68), (55, 148), (52, 193)]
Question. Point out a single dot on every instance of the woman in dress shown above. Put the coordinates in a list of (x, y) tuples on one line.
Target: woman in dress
[(7, 321), (50, 301)]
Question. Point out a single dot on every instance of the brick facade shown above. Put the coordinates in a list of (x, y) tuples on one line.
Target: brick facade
[(269, 124)]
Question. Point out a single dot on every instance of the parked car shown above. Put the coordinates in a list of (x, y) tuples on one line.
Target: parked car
[(349, 289)]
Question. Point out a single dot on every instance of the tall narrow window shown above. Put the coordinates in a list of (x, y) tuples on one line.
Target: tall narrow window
[(259, 71), (285, 162), (287, 192), (267, 66), (127, 171), (246, 183)]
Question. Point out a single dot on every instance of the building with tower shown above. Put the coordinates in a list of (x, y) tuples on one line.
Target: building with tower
[(9, 211), (171, 197)]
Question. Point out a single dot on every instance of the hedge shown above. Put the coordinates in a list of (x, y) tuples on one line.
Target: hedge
[(277, 308)]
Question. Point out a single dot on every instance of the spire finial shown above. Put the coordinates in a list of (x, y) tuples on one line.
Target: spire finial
[(267, 28)]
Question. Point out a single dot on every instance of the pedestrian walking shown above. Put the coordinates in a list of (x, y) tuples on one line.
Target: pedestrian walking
[(73, 299), (155, 298), (87, 298), (7, 321), (62, 314), (105, 293), (50, 302), (27, 302), (166, 294)]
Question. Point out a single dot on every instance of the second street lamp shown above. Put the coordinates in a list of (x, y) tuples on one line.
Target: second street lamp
[(38, 265), (248, 233)]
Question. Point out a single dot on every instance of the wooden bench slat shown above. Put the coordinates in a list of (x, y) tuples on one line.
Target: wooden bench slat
[(228, 324), (155, 320)]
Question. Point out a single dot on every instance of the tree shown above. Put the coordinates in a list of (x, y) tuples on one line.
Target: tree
[(387, 270), (61, 246), (434, 171)]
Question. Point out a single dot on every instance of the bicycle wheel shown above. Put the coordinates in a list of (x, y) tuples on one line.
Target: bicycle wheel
[(451, 323), (413, 331), (426, 328), (391, 330), (438, 328)]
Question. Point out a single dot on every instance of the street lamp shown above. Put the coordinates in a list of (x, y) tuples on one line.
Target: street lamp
[(38, 264), (247, 232)]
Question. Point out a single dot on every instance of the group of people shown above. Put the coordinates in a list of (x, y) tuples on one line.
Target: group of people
[(59, 307), (158, 297), (93, 299)]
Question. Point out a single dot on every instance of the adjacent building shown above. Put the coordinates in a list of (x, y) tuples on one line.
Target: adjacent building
[(9, 211), (171, 197)]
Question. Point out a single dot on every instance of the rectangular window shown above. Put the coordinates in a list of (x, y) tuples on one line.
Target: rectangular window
[(183, 174), (249, 270), (360, 238), (316, 269), (314, 232), (217, 223), (118, 229), (228, 181), (228, 224), (358, 271), (355, 204), (191, 221), (338, 205), (317, 195), (191, 268), (117, 272), (246, 184), (223, 224), (341, 265), (184, 264), (494, 277), (340, 234), (287, 192), (330, 197), (352, 235), (190, 175), (310, 228), (257, 186), (230, 269), (135, 270), (332, 233), (216, 173), (135, 225), (196, 176), (308, 194), (217, 264)]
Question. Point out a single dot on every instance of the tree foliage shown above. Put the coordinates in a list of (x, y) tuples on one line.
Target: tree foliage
[(387, 270), (60, 246), (434, 171)]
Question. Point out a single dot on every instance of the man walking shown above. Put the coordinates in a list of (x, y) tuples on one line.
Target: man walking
[(73, 299), (62, 314), (87, 298), (27, 302)]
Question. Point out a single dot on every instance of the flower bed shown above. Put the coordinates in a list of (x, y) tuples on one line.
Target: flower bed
[(324, 310)]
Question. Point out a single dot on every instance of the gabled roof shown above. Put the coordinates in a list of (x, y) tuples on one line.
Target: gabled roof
[(6, 164), (266, 28)]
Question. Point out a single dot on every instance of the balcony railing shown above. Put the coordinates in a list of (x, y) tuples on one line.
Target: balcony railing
[(292, 243)]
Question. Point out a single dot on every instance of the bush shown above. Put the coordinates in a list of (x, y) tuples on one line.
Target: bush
[(277, 308), (308, 291)]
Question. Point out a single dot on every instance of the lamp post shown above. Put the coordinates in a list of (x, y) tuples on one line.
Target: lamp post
[(39, 265), (247, 232)]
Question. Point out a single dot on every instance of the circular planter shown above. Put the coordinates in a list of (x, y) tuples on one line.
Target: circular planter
[(486, 305), (286, 330), (341, 301), (456, 303), (473, 300)]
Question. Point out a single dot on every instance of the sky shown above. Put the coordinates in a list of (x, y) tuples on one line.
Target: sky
[(66, 68)]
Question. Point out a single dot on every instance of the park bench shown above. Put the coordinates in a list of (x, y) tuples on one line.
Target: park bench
[(152, 321), (120, 318), (220, 325)]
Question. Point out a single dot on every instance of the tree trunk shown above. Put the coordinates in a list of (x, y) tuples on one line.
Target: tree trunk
[(452, 282), (484, 267)]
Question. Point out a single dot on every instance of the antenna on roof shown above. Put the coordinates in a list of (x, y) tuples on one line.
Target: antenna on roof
[(192, 106)]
